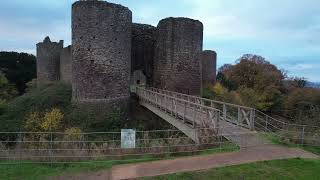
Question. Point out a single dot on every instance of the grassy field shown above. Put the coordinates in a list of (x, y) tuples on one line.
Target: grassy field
[(31, 171), (304, 169)]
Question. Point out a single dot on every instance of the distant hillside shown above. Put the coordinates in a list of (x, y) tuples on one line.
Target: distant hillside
[(313, 84)]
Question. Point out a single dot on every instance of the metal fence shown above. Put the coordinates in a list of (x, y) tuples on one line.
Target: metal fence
[(288, 133), (57, 147)]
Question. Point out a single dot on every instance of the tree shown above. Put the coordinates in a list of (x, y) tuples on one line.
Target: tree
[(19, 68), (303, 106), (253, 71), (291, 84), (258, 82), (7, 90)]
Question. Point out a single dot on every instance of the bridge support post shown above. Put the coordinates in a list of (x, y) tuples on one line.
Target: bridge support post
[(224, 112), (239, 116), (266, 123), (252, 118), (302, 135)]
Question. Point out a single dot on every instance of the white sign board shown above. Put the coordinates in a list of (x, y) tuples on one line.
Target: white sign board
[(128, 138)]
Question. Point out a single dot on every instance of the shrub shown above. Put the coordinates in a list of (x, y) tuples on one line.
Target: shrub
[(33, 122), (72, 134), (52, 120), (207, 91), (3, 106), (40, 99)]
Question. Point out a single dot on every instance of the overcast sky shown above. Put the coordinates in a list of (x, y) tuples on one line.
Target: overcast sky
[(285, 32)]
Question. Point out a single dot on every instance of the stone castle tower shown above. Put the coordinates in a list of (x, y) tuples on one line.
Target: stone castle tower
[(177, 60), (48, 60), (208, 66), (109, 53), (101, 38)]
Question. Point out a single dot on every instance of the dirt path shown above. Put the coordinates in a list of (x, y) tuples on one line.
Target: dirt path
[(131, 171)]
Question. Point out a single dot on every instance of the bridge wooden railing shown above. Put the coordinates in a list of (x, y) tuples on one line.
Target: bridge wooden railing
[(193, 114), (236, 114), (249, 117)]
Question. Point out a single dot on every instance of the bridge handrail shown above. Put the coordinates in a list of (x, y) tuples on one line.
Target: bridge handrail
[(181, 100), (233, 105), (247, 117), (242, 120), (292, 124), (190, 112), (204, 99)]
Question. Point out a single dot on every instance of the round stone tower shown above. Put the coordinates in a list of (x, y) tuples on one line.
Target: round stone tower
[(101, 51), (177, 55), (48, 60), (209, 67)]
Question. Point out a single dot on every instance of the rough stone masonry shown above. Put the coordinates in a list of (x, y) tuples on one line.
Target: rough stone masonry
[(109, 53), (177, 60), (48, 60), (209, 64), (101, 38)]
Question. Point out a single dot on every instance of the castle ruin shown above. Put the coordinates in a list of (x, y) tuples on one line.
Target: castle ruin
[(109, 53), (48, 60), (208, 60)]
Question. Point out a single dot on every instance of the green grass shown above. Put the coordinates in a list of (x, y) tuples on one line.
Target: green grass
[(225, 147), (274, 139), (315, 150), (30, 171), (278, 169)]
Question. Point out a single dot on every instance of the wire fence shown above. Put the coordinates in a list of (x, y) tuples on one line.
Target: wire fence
[(57, 147), (288, 133)]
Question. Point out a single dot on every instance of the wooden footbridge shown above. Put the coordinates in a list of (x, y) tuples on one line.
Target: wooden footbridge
[(194, 115)]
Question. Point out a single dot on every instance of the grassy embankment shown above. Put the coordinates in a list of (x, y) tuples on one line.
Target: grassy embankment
[(304, 169)]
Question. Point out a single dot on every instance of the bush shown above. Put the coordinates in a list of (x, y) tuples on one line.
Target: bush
[(33, 122), (52, 120), (3, 106), (94, 118), (72, 134), (303, 106), (57, 95)]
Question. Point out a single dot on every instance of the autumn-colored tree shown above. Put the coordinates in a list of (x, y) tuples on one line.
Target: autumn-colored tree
[(257, 82), (222, 94), (253, 71), (292, 84)]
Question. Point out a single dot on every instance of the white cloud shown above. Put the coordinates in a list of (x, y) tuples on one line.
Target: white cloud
[(300, 67)]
